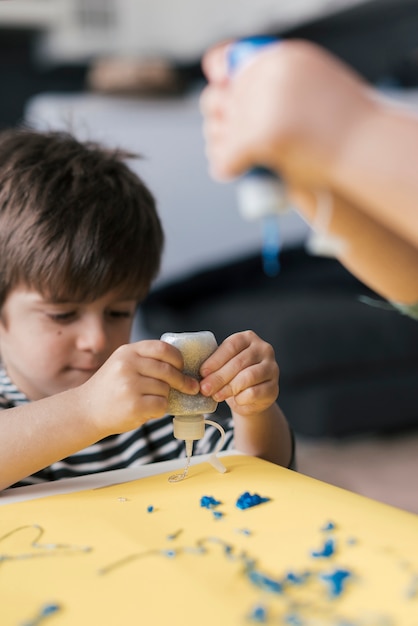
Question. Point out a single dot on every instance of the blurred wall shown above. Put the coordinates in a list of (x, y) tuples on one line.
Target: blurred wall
[(47, 50)]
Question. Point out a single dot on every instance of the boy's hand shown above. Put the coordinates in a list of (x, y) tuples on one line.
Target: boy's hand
[(244, 372), (132, 386)]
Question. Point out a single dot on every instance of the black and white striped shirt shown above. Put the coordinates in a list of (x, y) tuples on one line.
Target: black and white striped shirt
[(150, 443)]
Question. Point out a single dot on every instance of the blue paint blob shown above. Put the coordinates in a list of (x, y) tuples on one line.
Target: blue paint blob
[(170, 553), (265, 582), (328, 526), (327, 550), (46, 610), (49, 609), (296, 579), (150, 508), (258, 614), (217, 514), (208, 502), (247, 500), (336, 581)]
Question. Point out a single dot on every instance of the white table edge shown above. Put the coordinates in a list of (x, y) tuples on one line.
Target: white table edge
[(100, 479)]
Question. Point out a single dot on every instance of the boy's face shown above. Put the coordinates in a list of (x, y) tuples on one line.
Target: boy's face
[(48, 347)]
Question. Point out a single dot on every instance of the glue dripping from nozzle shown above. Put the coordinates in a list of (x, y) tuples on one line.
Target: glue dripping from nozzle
[(260, 192), (189, 410), (189, 428)]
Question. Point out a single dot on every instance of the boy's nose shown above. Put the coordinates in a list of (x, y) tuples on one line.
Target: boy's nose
[(92, 335)]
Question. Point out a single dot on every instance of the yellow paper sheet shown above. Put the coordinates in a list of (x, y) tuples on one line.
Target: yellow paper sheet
[(105, 558)]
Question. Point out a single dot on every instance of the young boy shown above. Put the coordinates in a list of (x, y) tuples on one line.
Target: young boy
[(80, 243)]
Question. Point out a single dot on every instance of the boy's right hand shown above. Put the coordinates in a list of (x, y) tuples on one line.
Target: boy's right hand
[(133, 384)]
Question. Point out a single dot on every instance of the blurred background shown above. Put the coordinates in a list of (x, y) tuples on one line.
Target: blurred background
[(128, 74)]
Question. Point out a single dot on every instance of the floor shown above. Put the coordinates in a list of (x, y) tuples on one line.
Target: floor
[(383, 469)]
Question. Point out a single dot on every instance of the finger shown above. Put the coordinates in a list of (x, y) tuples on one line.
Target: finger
[(260, 395), (248, 380), (230, 348), (211, 105), (164, 362), (226, 156), (214, 62), (230, 363), (153, 395), (159, 351)]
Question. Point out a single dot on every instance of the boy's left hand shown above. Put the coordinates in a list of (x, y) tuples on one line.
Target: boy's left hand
[(242, 371)]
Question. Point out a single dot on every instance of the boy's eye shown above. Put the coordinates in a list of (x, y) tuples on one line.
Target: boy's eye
[(121, 314), (62, 317)]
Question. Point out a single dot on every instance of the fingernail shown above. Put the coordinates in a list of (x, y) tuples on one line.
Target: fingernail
[(205, 389)]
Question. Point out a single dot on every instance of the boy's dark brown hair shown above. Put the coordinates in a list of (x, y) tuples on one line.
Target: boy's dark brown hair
[(75, 221)]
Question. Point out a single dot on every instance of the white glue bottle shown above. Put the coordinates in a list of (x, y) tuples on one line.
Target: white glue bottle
[(189, 410)]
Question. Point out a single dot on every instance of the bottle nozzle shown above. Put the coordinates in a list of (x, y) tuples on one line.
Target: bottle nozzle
[(189, 447), (189, 428)]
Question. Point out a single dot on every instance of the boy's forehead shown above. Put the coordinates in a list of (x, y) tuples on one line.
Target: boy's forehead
[(44, 297), (29, 293)]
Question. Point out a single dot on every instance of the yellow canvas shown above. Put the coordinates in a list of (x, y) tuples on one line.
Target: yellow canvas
[(148, 552)]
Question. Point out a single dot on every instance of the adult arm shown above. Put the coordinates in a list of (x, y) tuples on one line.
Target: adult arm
[(300, 111)]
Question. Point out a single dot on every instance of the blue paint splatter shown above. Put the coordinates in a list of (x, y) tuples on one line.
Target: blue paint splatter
[(218, 514), (336, 581), (258, 614), (228, 549), (48, 609), (247, 500), (296, 579), (150, 508), (327, 550), (264, 582), (208, 502), (328, 526), (170, 553)]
